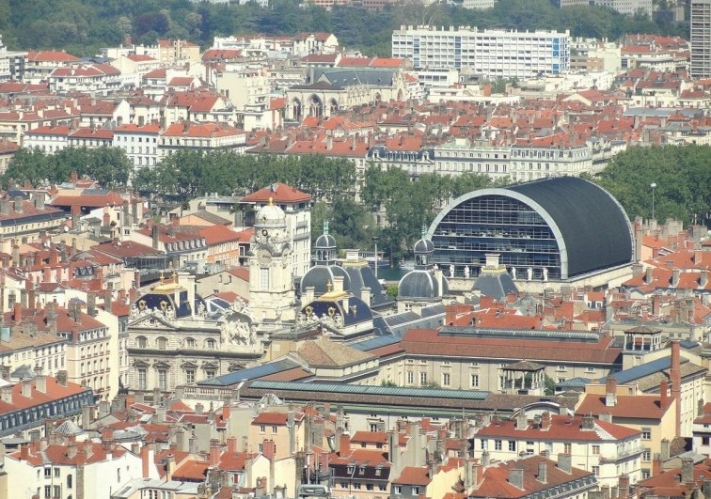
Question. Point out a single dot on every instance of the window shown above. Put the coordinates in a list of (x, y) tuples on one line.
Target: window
[(646, 433), (596, 449), (163, 379), (264, 278), (57, 491), (596, 470), (415, 491), (397, 490), (475, 381), (162, 343), (423, 378), (142, 384), (262, 429), (356, 486), (410, 377), (512, 445), (210, 373), (497, 444), (646, 455), (190, 343), (118, 475), (210, 344), (56, 472), (484, 444), (190, 376), (69, 481), (48, 472), (645, 474), (567, 448), (142, 342), (48, 491), (274, 429), (445, 379)]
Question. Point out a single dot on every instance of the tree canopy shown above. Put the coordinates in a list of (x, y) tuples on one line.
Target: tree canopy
[(107, 165), (682, 178), (83, 26)]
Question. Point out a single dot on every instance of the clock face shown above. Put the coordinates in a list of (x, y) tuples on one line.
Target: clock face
[(264, 257), (265, 232)]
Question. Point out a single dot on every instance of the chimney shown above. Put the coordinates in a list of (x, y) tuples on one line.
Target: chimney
[(40, 381), (27, 388), (17, 204), (169, 467), (269, 449), (610, 391), (232, 444), (72, 450), (214, 452), (623, 487), (61, 377), (687, 470), (648, 277), (675, 375), (675, 277), (394, 448), (704, 279), (665, 449), (485, 458), (345, 445), (516, 478), (565, 463), (4, 206), (6, 394), (543, 472), (664, 394), (17, 316), (91, 304), (588, 422), (154, 236), (546, 421), (521, 421)]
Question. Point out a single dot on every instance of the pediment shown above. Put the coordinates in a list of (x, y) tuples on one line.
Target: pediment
[(154, 320)]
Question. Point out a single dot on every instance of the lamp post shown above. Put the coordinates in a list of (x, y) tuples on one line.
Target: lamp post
[(375, 241), (653, 186)]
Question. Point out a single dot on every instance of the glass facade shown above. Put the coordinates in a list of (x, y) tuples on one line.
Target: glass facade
[(497, 224)]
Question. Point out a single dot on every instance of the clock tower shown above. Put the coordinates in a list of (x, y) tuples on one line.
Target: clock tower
[(271, 287)]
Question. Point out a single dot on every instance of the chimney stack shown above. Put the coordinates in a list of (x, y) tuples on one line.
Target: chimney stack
[(675, 375), (687, 470), (543, 472), (516, 478), (565, 463), (610, 391)]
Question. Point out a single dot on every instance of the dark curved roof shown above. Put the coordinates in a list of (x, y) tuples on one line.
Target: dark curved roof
[(594, 226), (325, 241), (357, 310), (364, 277), (319, 276), (421, 284), (424, 245)]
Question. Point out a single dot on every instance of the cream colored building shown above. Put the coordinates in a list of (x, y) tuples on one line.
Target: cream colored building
[(244, 88), (172, 341)]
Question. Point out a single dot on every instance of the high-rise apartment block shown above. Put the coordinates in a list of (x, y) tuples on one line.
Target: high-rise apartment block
[(493, 53), (700, 37)]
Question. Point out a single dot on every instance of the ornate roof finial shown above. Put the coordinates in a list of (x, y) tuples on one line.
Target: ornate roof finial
[(271, 201), (329, 286), (175, 277), (162, 277), (424, 229), (325, 227)]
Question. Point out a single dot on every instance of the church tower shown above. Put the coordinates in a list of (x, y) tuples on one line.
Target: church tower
[(271, 290)]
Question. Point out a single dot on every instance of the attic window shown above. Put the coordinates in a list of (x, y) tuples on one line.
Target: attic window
[(361, 470)]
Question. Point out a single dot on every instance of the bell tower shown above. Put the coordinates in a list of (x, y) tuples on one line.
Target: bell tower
[(271, 289)]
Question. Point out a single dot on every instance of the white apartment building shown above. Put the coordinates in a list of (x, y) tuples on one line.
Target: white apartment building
[(4, 62), (203, 136), (700, 38), (140, 143), (534, 162), (627, 7), (493, 53), (605, 449), (49, 139), (99, 79), (244, 88)]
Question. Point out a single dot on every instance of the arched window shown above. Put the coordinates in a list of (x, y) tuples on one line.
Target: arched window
[(210, 344), (162, 343), (190, 342), (142, 342)]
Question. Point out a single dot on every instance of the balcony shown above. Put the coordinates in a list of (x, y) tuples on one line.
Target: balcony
[(612, 458)]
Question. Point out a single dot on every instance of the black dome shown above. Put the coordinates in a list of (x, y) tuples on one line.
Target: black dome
[(319, 277), (424, 246), (421, 284), (325, 241)]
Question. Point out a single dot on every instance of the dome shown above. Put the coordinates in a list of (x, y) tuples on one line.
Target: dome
[(270, 214), (321, 278), (555, 229), (424, 246), (325, 241), (421, 284)]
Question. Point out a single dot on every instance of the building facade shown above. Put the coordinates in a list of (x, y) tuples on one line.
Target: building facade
[(700, 37), (495, 54)]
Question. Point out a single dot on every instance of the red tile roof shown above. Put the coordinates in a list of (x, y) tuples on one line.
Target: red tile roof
[(217, 234), (279, 193), (640, 406), (561, 428)]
